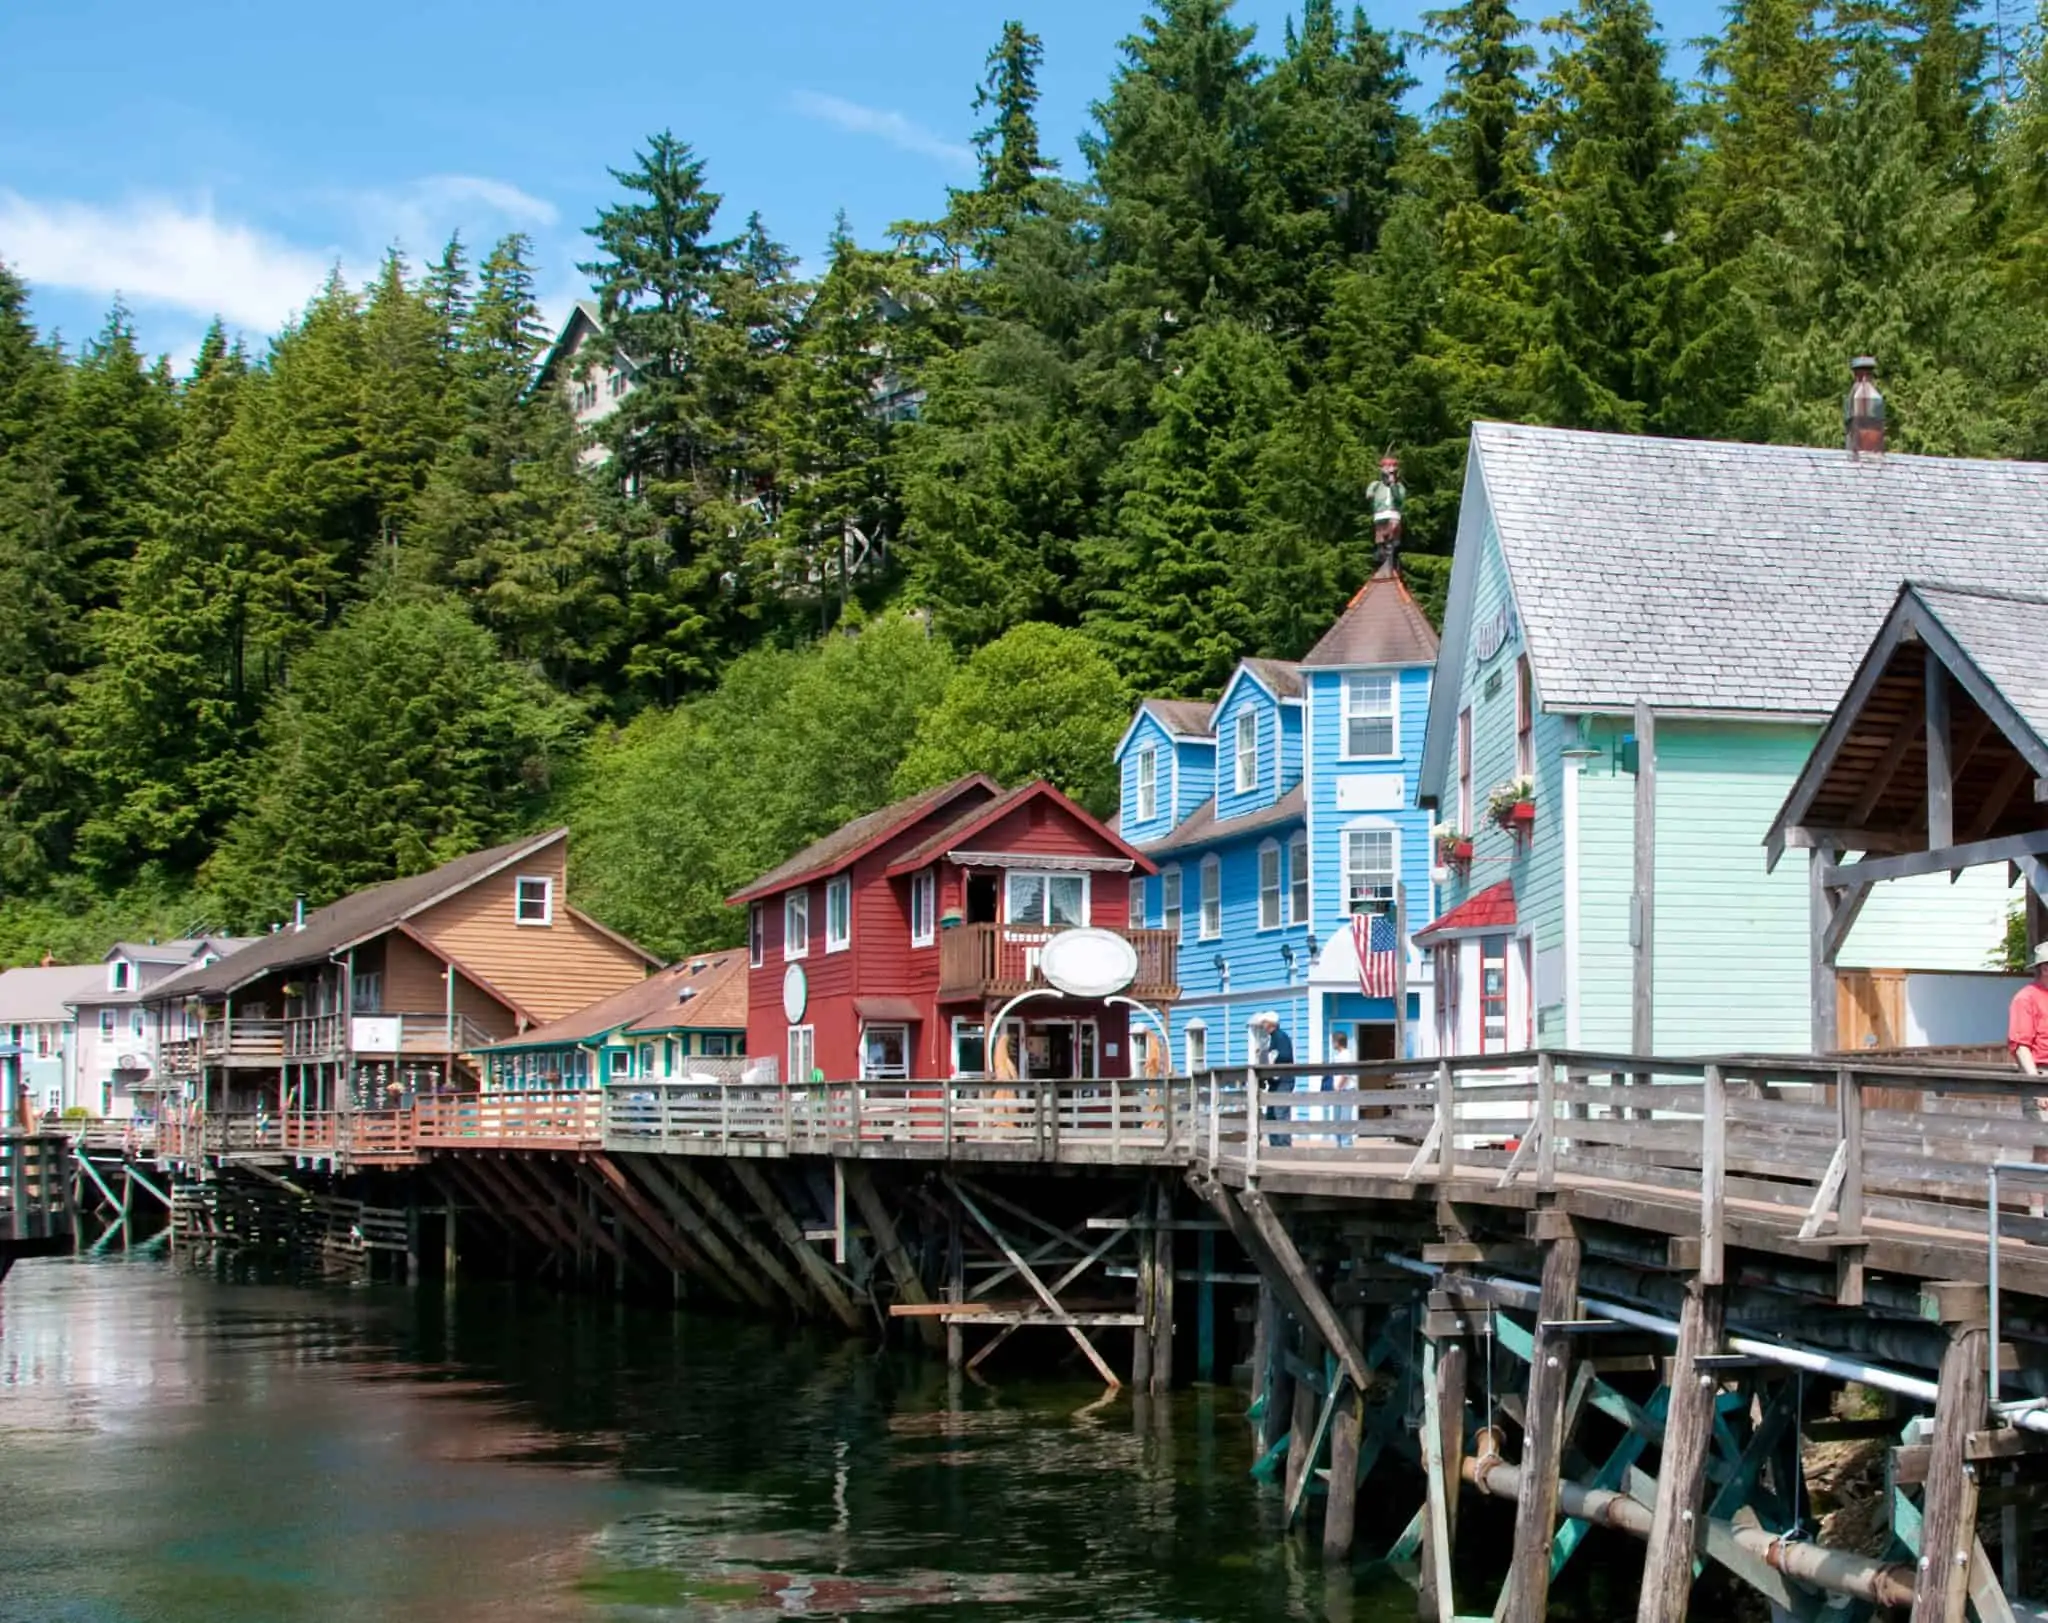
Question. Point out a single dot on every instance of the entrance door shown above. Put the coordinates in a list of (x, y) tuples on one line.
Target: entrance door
[(1060, 1050), (984, 897)]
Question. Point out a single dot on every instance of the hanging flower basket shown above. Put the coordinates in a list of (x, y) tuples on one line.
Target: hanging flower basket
[(1453, 847), (1512, 804)]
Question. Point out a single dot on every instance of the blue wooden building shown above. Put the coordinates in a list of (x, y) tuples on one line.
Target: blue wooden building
[(1276, 814)]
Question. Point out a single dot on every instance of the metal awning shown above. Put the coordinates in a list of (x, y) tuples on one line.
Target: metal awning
[(887, 1009)]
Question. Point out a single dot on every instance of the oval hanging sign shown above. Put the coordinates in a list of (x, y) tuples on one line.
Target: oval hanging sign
[(1088, 962), (796, 993), (1487, 640)]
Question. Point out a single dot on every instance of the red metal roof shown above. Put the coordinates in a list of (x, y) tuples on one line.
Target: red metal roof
[(1492, 909)]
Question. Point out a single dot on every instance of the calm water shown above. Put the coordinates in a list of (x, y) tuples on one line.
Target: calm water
[(177, 1448)]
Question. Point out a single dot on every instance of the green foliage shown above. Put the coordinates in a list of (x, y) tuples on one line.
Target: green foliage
[(684, 807), (401, 740), (1040, 701)]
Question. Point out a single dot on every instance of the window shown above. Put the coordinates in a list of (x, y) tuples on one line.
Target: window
[(1493, 994), (1449, 1036), (42, 1042), (1369, 716), (122, 971), (1368, 870), (647, 1059), (1247, 747), (757, 936), (885, 1053), (136, 1023), (1212, 898), (1198, 1047), (1465, 770), (924, 907), (796, 924), (367, 993), (619, 1062), (1525, 720), (1138, 901), (1052, 899), (106, 1022), (803, 1053), (535, 902), (1169, 902), (1269, 886), (714, 1044), (838, 914), (1148, 785), (1297, 877), (970, 1048)]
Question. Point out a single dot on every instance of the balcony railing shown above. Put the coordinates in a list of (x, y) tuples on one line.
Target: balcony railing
[(1001, 960), (247, 1041)]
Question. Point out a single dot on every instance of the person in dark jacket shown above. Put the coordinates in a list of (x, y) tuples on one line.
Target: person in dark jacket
[(1275, 1047)]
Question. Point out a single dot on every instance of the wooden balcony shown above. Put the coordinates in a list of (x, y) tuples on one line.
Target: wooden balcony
[(310, 1039), (1001, 960)]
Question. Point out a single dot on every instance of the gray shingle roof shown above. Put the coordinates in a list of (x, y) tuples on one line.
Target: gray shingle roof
[(1700, 575), (1281, 677), (43, 994), (1183, 718), (1381, 625), (2001, 632), (1200, 827)]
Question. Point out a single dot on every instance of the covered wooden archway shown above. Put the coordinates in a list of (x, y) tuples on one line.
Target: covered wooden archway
[(1936, 760)]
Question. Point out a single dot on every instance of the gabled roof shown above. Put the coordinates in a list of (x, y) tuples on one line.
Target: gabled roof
[(1381, 625), (1719, 578), (977, 818), (1185, 721), (43, 994), (1490, 909), (849, 842), (1200, 827), (584, 313), (707, 992), (358, 917), (1865, 781), (1278, 677)]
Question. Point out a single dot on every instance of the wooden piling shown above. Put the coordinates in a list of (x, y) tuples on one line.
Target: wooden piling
[(1443, 1440), (1948, 1529), (1543, 1431), (1678, 1526), (1276, 1381), (1340, 1507), (882, 1226), (1147, 1303), (1162, 1287), (1301, 1431), (823, 1280)]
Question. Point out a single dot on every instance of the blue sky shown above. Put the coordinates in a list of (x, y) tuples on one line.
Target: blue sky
[(219, 155)]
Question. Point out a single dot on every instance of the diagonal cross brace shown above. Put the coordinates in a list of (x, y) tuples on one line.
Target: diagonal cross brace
[(1038, 1287)]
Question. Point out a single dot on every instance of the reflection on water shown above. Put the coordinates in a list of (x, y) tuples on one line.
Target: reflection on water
[(175, 1448)]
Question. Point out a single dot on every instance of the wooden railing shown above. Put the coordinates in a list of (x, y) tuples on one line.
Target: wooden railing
[(35, 1191), (1001, 960), (456, 1121), (244, 1040)]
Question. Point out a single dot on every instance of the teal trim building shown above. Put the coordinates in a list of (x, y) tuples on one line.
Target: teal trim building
[(686, 1021), (1731, 589)]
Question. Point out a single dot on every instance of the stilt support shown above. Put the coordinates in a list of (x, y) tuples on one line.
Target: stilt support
[(1543, 1434), (1677, 1527)]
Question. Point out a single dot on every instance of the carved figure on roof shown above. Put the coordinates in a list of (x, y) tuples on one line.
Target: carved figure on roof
[(1388, 498)]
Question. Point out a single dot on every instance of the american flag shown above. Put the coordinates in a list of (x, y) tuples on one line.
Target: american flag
[(1375, 941)]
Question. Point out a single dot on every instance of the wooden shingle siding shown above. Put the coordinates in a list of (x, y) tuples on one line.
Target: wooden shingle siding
[(550, 969)]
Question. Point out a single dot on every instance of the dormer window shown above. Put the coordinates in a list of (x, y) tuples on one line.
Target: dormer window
[(1247, 752), (1148, 785), (121, 975), (534, 901)]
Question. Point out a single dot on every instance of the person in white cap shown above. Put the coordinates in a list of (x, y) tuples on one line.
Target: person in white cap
[(2026, 1025)]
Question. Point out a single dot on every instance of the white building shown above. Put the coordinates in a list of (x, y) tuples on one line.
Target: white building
[(38, 1040), (593, 374), (117, 1031)]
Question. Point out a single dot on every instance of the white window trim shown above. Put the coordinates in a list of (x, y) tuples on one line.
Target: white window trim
[(1147, 757), (1393, 682), (961, 1023), (809, 1035), (1011, 875), (547, 892), (924, 885), (613, 1069), (1463, 766), (106, 1022), (842, 887), (1241, 757), (118, 973), (909, 1060), (1211, 864), (794, 902), (1360, 825), (1272, 848), (1138, 905), (757, 935), (1194, 1029), (1178, 912), (1300, 877)]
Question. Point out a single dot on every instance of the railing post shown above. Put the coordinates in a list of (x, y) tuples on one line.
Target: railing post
[(1446, 1121), (1166, 1118), (946, 1116), (1713, 1175), (1546, 1121), (1849, 1108), (1116, 1120), (1254, 1121)]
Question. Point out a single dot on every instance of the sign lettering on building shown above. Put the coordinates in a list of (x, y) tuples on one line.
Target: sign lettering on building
[(1491, 634)]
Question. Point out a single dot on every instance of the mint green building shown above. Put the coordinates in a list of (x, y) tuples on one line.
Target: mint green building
[(1732, 589)]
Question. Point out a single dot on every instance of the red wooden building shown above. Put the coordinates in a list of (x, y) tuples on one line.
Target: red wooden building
[(887, 948)]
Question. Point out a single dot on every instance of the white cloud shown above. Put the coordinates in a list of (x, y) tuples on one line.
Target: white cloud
[(420, 213), (154, 251), (892, 127)]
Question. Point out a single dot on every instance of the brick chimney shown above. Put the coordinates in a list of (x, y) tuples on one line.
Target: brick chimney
[(1863, 411)]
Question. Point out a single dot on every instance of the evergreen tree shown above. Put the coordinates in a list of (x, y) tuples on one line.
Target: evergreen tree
[(1012, 161), (404, 395), (1486, 97), (117, 421)]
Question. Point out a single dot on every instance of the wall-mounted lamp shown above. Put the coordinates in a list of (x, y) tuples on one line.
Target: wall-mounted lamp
[(1582, 747), (1287, 958), (1221, 965)]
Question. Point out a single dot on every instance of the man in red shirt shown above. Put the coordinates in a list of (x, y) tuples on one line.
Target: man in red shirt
[(2026, 1027)]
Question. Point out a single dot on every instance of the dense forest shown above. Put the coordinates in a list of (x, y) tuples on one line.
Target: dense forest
[(297, 621)]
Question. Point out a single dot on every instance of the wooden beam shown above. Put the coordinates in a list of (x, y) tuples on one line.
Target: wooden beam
[(1643, 919), (1543, 1436), (1948, 1528), (1037, 1285), (1161, 1309), (702, 1251), (1886, 769), (635, 1217), (815, 1268), (677, 1170), (691, 1224), (1313, 1412), (1844, 908), (1941, 783), (1340, 1505), (2004, 790), (1822, 903), (1443, 1438), (1676, 1526), (1279, 1249), (873, 1212), (1975, 854)]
